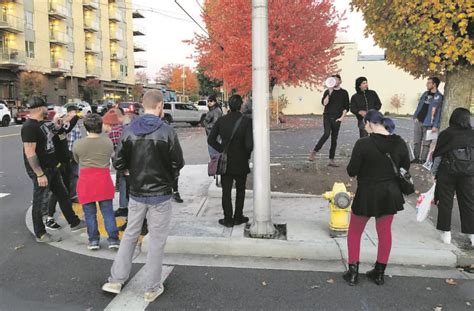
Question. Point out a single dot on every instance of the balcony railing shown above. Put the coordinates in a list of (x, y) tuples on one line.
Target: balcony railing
[(91, 4), (92, 47), (139, 30), (11, 23), (91, 25), (57, 10), (116, 55), (115, 14), (117, 76), (140, 63), (60, 65), (93, 71), (116, 35), (12, 57), (59, 37), (138, 47)]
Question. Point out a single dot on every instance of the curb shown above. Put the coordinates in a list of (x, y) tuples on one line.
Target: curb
[(216, 192)]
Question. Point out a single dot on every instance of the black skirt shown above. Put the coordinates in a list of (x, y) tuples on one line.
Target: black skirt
[(377, 198)]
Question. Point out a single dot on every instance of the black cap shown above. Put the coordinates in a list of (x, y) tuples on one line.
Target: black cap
[(36, 102)]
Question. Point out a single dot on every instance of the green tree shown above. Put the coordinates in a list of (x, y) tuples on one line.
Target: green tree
[(207, 85), (427, 37)]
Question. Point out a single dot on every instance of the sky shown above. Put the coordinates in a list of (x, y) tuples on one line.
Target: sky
[(167, 26)]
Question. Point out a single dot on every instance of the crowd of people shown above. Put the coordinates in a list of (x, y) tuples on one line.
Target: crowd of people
[(147, 156)]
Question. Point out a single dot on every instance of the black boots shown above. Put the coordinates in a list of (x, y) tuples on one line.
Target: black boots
[(352, 275), (377, 273)]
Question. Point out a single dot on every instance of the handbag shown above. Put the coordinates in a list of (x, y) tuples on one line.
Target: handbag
[(404, 179), (218, 163)]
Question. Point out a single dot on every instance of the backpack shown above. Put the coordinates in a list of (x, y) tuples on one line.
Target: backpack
[(460, 162)]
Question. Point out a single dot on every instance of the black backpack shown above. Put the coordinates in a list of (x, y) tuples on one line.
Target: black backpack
[(460, 162)]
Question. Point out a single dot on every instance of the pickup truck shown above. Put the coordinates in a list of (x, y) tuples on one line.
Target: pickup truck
[(183, 112), (5, 115)]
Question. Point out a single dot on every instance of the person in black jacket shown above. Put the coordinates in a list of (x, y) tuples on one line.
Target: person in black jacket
[(150, 153), (378, 193), (239, 150), (362, 101), (336, 105), (454, 176)]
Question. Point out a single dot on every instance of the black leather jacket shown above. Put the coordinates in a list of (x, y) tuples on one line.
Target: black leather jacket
[(153, 161)]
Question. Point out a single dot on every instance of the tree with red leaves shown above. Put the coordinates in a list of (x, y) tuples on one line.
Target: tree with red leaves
[(301, 42)]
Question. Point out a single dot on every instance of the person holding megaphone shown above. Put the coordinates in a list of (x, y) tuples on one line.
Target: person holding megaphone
[(336, 104)]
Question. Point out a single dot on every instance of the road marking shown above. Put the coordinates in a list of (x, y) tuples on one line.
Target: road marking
[(9, 135), (2, 195), (131, 297)]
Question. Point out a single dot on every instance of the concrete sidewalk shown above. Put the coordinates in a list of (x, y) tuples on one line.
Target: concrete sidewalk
[(194, 229)]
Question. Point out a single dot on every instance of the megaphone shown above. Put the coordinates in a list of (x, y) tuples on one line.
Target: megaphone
[(330, 82)]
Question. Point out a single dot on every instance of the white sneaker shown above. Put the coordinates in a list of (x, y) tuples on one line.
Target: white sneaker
[(151, 296), (113, 288), (446, 237), (471, 237)]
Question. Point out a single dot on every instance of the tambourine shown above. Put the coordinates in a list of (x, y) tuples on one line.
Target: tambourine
[(330, 82)]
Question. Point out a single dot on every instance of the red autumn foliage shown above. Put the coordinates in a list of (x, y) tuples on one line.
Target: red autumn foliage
[(301, 42)]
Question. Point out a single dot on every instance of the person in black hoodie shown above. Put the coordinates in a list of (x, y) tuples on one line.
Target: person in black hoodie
[(378, 193), (362, 101), (455, 176)]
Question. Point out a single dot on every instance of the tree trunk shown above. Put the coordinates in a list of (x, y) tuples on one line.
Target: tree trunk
[(458, 92)]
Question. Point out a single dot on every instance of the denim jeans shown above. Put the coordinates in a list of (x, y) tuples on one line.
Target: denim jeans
[(73, 177), (107, 210), (41, 197), (123, 190)]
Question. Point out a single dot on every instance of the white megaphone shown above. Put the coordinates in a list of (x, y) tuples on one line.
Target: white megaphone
[(330, 82)]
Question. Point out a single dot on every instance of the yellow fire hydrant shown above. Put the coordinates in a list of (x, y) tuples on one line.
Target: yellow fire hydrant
[(339, 206)]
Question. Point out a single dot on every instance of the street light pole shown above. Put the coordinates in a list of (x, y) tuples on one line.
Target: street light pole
[(262, 226)]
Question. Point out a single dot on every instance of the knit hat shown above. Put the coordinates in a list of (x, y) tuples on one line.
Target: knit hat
[(36, 102), (111, 118), (359, 81)]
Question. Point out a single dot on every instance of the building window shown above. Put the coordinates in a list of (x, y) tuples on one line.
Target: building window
[(28, 20), (30, 49)]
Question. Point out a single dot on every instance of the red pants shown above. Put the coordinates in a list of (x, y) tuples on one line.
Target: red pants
[(384, 233)]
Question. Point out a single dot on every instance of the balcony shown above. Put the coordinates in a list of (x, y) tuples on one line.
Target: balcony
[(59, 38), (11, 23), (116, 35), (140, 63), (93, 71), (116, 55), (92, 47), (117, 76), (60, 66), (138, 47), (139, 30), (57, 11), (12, 58), (137, 14), (115, 14), (91, 25), (90, 4)]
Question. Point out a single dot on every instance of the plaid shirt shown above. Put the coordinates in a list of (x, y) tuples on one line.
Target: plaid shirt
[(115, 135), (74, 135)]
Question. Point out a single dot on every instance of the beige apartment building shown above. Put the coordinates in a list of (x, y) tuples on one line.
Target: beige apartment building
[(68, 42)]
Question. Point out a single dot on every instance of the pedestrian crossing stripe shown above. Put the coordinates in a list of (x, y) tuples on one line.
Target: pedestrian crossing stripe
[(2, 195)]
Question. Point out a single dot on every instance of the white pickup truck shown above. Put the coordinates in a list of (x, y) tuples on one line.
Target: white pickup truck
[(5, 115), (183, 112)]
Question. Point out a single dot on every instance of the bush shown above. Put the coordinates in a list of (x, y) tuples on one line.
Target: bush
[(276, 107)]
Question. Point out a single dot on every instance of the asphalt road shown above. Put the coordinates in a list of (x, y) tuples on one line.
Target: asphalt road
[(42, 277)]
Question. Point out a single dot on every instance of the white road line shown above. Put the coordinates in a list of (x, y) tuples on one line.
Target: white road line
[(131, 297), (2, 195)]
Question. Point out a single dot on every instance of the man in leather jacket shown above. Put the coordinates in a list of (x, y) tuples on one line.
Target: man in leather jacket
[(362, 101), (215, 112), (149, 151)]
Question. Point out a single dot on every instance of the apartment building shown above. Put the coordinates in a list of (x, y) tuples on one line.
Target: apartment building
[(67, 42)]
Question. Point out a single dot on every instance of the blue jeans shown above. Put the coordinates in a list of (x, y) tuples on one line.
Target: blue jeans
[(107, 210), (123, 193), (212, 151)]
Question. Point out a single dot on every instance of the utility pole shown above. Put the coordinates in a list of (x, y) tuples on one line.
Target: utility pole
[(262, 226)]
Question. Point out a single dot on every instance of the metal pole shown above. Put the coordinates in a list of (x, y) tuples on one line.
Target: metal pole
[(262, 226)]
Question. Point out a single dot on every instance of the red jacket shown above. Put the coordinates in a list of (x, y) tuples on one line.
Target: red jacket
[(95, 185)]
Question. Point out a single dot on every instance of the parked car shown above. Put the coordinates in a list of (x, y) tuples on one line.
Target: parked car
[(183, 112), (5, 115), (131, 107), (202, 105), (24, 114), (103, 106)]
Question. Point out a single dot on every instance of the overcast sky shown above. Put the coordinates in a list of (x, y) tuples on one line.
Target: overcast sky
[(167, 26)]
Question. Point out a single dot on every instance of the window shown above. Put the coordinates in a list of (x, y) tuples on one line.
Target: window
[(167, 107), (28, 20), (30, 49), (180, 106)]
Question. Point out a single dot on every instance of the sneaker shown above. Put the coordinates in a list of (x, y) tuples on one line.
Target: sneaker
[(52, 225), (177, 197), (93, 246), (113, 288), (114, 245), (471, 238), (312, 156), (121, 212), (151, 296), (48, 238), (240, 220), (446, 237), (81, 225), (333, 163), (226, 224)]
